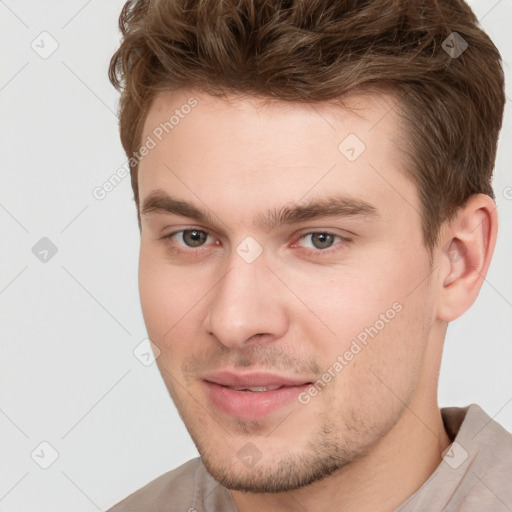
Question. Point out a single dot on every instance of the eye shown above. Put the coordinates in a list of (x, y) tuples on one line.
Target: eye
[(319, 242), (190, 237), (192, 242)]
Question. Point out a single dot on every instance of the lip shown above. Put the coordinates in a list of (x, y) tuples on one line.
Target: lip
[(252, 404), (252, 379)]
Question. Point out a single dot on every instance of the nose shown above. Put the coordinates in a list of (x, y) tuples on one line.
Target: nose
[(247, 305)]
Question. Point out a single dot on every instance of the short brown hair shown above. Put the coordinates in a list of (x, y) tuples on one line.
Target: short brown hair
[(317, 50)]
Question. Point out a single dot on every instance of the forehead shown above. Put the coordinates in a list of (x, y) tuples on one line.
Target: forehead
[(364, 111), (248, 153)]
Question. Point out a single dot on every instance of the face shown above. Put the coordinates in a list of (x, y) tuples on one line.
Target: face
[(284, 279)]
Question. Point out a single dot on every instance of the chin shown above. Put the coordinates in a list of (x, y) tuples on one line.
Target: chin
[(275, 474)]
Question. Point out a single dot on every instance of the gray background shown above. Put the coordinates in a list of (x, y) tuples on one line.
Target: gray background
[(70, 324)]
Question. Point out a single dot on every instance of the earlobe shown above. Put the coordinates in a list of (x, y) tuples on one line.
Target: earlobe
[(465, 255)]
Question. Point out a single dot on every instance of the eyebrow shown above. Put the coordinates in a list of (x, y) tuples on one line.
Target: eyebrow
[(159, 201)]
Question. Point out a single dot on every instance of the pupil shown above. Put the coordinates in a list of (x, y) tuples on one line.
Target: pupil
[(321, 240)]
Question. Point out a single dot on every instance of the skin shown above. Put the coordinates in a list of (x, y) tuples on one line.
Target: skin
[(374, 434)]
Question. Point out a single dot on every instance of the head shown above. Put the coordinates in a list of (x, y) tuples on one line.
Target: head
[(313, 188)]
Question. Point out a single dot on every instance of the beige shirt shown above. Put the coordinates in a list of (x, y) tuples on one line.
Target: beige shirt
[(474, 476)]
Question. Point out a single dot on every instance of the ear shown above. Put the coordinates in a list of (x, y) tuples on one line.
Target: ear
[(465, 251)]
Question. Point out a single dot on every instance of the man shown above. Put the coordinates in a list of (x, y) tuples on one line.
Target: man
[(313, 188)]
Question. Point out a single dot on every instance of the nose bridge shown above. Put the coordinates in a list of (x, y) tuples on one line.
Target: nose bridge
[(244, 302)]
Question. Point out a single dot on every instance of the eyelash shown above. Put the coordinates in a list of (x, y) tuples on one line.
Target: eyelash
[(196, 251)]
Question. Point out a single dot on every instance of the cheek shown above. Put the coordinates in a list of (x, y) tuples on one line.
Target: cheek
[(386, 371), (173, 300), (373, 380), (340, 308), (376, 314), (164, 299)]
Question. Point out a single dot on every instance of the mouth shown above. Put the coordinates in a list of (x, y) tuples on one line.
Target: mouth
[(252, 395), (255, 389)]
